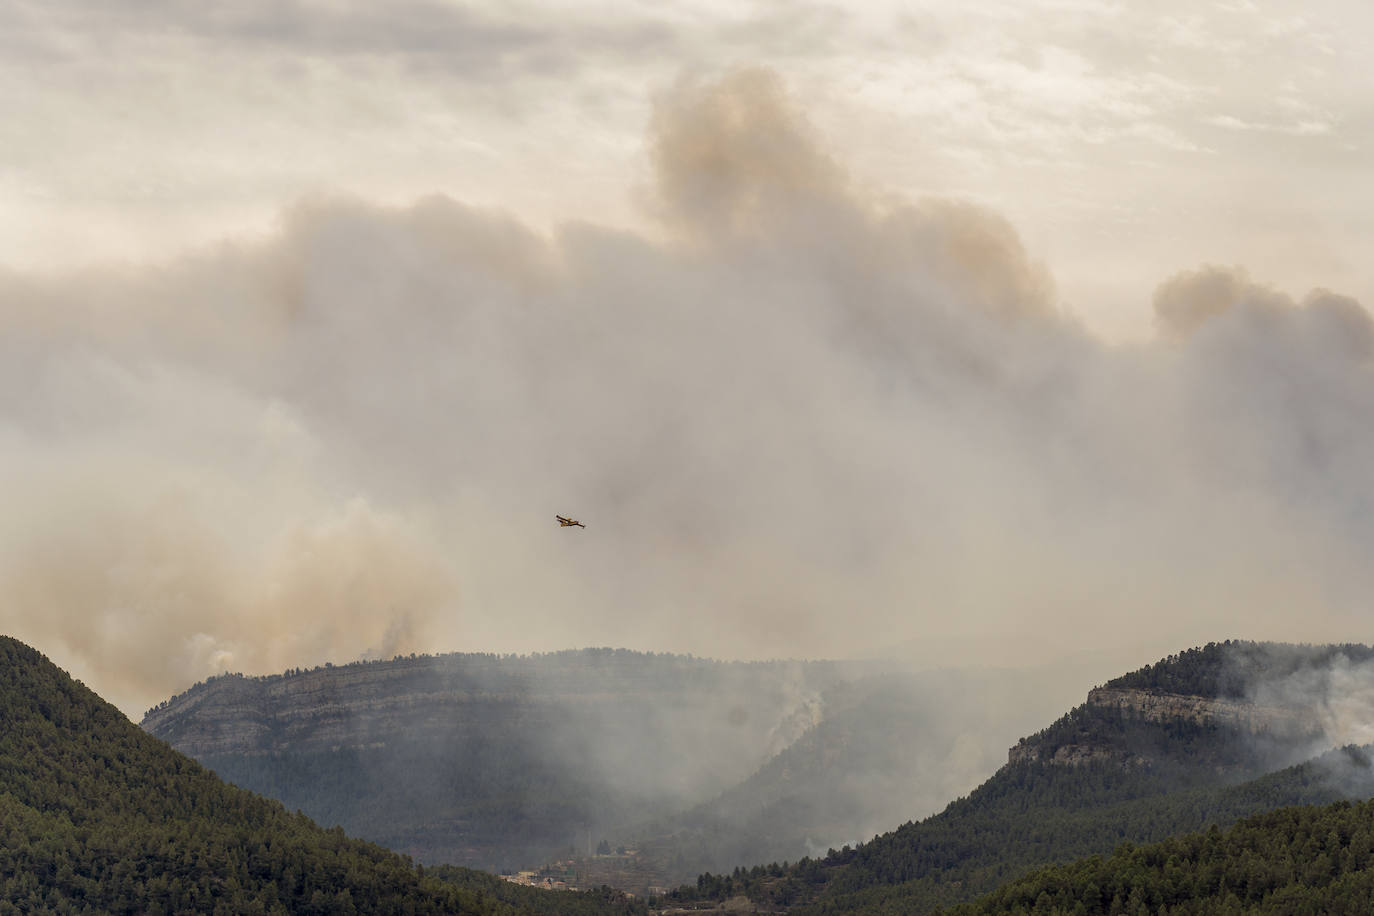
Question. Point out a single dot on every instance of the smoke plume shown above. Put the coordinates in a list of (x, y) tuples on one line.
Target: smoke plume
[(799, 418)]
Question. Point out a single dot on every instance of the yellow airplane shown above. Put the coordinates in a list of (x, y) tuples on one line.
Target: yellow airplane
[(568, 522)]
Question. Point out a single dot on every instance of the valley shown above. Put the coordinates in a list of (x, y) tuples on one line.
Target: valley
[(1202, 740), (506, 763), (511, 763)]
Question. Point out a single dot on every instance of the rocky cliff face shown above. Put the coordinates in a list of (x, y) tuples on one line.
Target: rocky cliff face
[(1153, 706), (363, 705), (1064, 755), (1276, 726), (620, 704)]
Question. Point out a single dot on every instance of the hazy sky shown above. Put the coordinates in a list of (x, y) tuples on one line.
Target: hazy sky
[(1124, 141), (977, 331)]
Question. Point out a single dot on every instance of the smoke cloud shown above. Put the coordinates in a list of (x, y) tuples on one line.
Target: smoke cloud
[(802, 418), (1337, 696)]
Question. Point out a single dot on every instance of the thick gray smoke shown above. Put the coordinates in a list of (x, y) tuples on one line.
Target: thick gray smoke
[(1337, 697), (1329, 693), (799, 419)]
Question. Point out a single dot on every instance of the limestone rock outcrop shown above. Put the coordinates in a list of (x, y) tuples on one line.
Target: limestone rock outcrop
[(1274, 725), (1154, 706), (615, 693)]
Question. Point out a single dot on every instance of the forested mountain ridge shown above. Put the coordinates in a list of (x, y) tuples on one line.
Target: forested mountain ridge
[(98, 816), (1159, 714), (1232, 669), (499, 761), (1099, 776)]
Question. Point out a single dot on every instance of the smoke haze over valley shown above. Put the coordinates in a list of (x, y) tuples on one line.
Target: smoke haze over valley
[(803, 413), (684, 766)]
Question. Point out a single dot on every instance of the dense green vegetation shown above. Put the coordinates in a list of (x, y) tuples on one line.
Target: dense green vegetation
[(1151, 781), (1308, 860), (98, 816)]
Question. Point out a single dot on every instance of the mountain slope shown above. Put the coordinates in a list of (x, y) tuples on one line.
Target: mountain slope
[(887, 747), (95, 813), (690, 764), (1133, 763), (941, 862), (498, 761), (1312, 859)]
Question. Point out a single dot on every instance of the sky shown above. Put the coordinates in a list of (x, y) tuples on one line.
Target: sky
[(975, 333)]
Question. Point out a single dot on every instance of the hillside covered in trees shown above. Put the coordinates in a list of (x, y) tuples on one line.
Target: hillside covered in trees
[(98, 816), (1128, 778), (1311, 859)]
